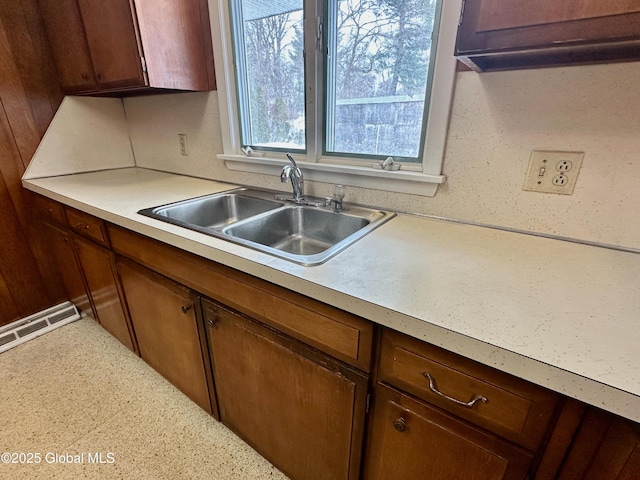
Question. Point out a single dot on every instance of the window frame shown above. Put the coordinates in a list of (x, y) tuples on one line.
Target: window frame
[(420, 178)]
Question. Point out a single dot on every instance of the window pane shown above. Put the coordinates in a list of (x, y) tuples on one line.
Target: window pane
[(377, 76), (270, 69)]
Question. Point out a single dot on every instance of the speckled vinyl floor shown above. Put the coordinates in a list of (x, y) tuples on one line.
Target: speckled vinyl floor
[(77, 395)]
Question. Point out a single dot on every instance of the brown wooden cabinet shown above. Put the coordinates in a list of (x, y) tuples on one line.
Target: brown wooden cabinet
[(170, 336), (291, 375), (439, 415), (606, 448), (500, 403), (412, 440), (99, 272), (299, 408), (119, 45), (68, 45), (63, 252), (510, 34), (80, 249), (339, 334)]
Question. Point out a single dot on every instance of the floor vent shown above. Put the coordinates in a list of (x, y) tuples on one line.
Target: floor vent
[(37, 324)]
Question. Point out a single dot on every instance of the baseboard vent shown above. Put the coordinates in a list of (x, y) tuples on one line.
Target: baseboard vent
[(25, 329)]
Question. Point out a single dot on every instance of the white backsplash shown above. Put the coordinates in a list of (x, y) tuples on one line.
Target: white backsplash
[(86, 134), (497, 119)]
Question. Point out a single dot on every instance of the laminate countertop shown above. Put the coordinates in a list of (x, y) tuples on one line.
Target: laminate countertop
[(559, 314)]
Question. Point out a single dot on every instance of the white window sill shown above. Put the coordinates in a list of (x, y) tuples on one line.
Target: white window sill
[(401, 181)]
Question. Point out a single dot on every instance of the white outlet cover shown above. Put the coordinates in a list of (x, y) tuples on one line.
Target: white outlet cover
[(552, 171)]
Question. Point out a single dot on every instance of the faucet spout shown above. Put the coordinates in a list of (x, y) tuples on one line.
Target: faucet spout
[(294, 174)]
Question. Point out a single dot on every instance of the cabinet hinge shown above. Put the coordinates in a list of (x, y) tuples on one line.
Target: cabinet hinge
[(144, 64), (368, 403)]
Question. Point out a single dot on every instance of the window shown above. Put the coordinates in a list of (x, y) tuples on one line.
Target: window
[(269, 55), (377, 76), (337, 82)]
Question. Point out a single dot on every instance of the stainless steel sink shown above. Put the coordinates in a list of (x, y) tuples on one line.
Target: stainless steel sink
[(308, 235), (214, 211)]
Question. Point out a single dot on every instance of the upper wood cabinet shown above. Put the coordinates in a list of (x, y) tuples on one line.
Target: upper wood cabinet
[(123, 45), (511, 34)]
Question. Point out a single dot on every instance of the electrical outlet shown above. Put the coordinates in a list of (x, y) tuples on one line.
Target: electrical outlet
[(553, 171), (182, 140)]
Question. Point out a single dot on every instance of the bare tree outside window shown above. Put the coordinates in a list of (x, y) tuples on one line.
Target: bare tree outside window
[(275, 79), (380, 69)]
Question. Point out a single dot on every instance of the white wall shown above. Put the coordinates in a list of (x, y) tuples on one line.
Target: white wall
[(497, 119), (86, 134)]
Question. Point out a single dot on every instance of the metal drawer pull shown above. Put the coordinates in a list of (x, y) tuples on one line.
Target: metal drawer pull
[(468, 404), (186, 308)]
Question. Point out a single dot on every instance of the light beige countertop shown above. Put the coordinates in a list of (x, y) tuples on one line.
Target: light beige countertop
[(556, 313)]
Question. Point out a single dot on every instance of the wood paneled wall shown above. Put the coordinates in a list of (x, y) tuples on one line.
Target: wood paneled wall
[(29, 96)]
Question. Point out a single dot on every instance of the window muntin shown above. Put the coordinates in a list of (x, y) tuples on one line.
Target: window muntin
[(373, 101)]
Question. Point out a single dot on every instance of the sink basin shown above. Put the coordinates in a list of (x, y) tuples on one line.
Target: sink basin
[(214, 211), (308, 235), (299, 230)]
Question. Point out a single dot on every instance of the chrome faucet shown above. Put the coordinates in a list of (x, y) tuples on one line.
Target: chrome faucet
[(293, 173)]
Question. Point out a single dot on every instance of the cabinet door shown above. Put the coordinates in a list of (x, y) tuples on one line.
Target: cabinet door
[(164, 320), (606, 447), (619, 455), (68, 45), (97, 265), (112, 38), (497, 34), (173, 38), (412, 440), (62, 250), (300, 409)]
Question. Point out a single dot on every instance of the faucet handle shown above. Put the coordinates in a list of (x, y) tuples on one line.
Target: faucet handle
[(293, 162)]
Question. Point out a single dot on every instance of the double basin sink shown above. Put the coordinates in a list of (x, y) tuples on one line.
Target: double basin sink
[(304, 234)]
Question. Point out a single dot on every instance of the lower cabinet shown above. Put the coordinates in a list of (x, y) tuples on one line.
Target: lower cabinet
[(292, 376), (98, 265), (412, 440), (165, 318), (441, 416), (63, 252), (80, 249), (302, 410), (606, 448)]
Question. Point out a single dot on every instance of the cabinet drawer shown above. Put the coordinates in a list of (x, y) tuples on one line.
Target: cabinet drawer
[(413, 440), (340, 334), (511, 407), (48, 209), (88, 226)]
